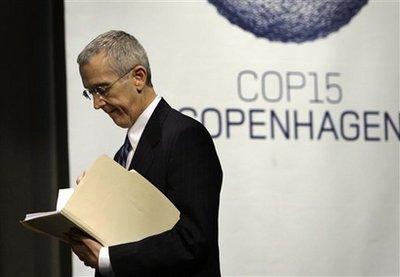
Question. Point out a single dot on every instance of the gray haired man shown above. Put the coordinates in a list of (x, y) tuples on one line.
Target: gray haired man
[(171, 150)]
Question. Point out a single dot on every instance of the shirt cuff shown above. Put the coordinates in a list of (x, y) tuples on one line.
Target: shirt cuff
[(105, 263)]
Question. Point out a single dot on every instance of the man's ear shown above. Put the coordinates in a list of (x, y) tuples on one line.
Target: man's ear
[(139, 77)]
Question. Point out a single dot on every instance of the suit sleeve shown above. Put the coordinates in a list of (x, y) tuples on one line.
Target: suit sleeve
[(194, 183)]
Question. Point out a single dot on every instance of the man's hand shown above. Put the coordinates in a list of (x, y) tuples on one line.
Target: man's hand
[(86, 248)]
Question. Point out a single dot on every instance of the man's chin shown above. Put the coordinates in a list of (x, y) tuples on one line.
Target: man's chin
[(121, 122)]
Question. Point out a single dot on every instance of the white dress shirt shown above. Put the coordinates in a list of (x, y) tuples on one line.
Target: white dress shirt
[(134, 134)]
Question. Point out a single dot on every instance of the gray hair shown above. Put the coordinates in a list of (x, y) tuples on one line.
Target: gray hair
[(123, 50)]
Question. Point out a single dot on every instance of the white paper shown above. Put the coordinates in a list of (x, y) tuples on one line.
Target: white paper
[(63, 197)]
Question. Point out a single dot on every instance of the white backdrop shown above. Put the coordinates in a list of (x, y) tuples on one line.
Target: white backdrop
[(311, 204)]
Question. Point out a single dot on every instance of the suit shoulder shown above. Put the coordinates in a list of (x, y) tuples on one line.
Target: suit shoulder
[(178, 122)]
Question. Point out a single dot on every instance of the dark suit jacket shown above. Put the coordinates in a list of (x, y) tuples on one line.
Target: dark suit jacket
[(177, 155)]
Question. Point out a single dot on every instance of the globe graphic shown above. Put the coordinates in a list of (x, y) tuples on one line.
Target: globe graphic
[(289, 20)]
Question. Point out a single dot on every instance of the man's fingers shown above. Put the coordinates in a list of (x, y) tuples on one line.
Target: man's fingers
[(85, 247), (80, 250), (79, 247), (78, 180), (93, 245), (89, 241), (85, 254)]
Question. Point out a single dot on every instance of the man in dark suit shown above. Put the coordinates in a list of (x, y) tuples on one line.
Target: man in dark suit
[(174, 152)]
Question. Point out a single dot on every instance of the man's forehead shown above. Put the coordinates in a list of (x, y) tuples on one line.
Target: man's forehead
[(96, 71)]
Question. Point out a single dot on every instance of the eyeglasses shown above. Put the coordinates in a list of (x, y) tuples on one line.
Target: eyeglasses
[(101, 90)]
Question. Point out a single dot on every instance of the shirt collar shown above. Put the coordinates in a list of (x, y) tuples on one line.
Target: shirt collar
[(136, 130)]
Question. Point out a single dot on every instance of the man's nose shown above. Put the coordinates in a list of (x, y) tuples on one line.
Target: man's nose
[(98, 101)]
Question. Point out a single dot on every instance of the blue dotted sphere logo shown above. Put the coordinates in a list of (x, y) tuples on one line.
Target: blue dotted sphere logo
[(289, 20)]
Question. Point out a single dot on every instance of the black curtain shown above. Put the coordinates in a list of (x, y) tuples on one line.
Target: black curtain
[(33, 134)]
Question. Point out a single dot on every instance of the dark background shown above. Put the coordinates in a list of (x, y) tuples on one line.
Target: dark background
[(33, 134)]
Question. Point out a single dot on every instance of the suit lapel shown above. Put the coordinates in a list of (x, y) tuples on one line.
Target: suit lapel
[(144, 153)]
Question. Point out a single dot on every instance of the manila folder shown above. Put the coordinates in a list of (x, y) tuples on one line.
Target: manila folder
[(112, 205)]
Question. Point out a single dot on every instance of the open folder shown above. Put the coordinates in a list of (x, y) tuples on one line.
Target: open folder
[(112, 205)]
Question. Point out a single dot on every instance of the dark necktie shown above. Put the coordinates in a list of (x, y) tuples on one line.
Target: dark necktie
[(124, 152)]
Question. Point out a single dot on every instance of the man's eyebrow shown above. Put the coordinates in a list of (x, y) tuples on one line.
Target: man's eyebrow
[(102, 84)]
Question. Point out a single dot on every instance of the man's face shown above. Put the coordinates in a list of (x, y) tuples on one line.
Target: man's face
[(122, 102)]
